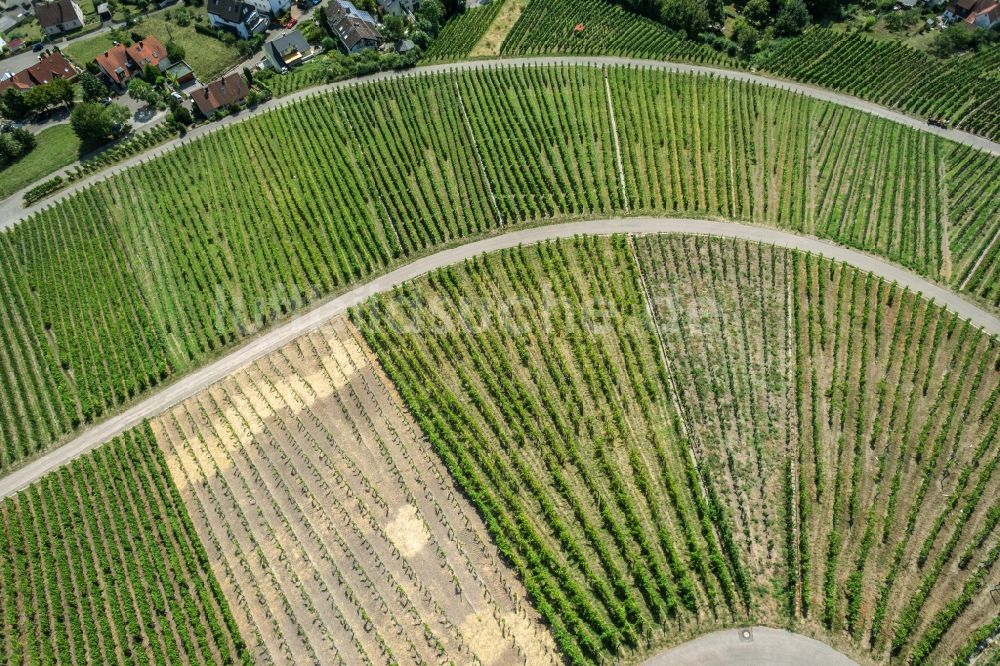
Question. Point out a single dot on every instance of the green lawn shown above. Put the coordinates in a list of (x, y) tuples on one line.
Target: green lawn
[(57, 147), (82, 51), (207, 56)]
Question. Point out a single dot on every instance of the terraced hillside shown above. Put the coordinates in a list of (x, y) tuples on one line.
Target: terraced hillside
[(335, 533), (100, 564), (149, 273), (669, 434)]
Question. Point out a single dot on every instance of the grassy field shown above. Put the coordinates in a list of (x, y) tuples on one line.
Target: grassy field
[(670, 434), (57, 147), (210, 246), (99, 563), (364, 551)]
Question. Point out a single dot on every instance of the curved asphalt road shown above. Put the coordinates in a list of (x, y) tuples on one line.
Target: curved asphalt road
[(12, 212), (764, 646), (191, 384)]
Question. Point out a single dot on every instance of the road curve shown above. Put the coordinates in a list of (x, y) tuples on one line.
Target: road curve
[(752, 645), (12, 212), (276, 338)]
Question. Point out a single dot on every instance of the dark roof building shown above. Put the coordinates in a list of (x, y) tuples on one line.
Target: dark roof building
[(227, 10), (287, 50), (221, 93), (52, 66), (236, 16), (58, 16), (354, 28)]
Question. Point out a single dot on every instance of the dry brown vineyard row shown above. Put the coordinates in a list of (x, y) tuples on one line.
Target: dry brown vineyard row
[(333, 530)]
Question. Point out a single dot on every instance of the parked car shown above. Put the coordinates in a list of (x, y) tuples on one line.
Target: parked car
[(38, 47), (291, 24)]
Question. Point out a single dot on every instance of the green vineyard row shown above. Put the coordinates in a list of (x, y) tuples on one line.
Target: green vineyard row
[(99, 563)]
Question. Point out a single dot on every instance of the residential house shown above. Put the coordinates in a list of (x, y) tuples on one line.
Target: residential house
[(52, 66), (235, 16), (356, 29), (398, 7), (120, 63), (272, 7), (221, 94), (287, 51), (974, 14), (58, 16)]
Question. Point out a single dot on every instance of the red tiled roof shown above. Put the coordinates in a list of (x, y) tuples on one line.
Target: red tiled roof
[(52, 66), (220, 93), (148, 51), (114, 63)]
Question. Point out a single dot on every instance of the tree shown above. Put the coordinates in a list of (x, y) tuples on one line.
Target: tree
[(141, 91), (12, 104), (716, 11), (955, 39), (56, 91), (824, 9), (757, 12), (689, 16), (432, 11), (745, 36), (174, 51), (394, 27), (95, 123), (92, 87), (792, 19), (15, 144), (151, 73)]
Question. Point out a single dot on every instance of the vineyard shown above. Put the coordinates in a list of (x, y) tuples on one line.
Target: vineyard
[(99, 563), (548, 27), (963, 89), (333, 529), (668, 434), (462, 33), (149, 273)]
